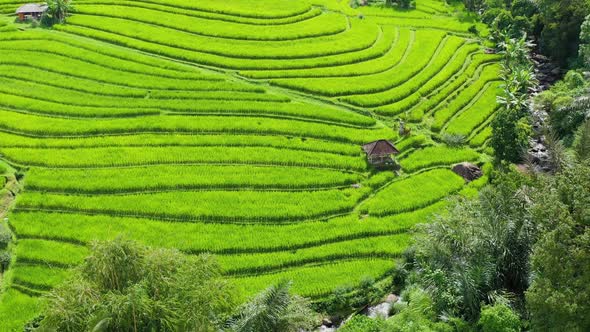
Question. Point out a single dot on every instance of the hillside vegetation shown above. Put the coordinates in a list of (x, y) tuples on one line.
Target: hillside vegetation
[(235, 128)]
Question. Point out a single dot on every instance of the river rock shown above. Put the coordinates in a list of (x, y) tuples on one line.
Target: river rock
[(380, 310)]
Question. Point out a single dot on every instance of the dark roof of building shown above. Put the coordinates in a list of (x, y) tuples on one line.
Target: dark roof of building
[(31, 8), (380, 147)]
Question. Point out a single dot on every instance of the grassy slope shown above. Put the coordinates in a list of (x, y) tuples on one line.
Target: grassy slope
[(160, 124)]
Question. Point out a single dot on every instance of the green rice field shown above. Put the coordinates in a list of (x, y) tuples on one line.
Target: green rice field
[(235, 128)]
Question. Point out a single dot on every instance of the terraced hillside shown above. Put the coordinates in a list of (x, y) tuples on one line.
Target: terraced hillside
[(235, 128)]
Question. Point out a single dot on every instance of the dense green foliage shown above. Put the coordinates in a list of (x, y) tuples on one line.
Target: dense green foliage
[(518, 250), (554, 24), (585, 42), (124, 286), (478, 248), (58, 11), (559, 295), (362, 324), (499, 318), (274, 310), (567, 104), (561, 21), (510, 127)]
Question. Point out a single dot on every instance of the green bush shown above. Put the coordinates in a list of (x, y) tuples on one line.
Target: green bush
[(574, 80), (510, 136), (562, 101), (453, 140), (498, 318), (121, 279), (503, 21), (4, 261), (526, 8), (520, 25), (584, 51), (545, 99), (566, 116), (490, 15), (5, 236), (361, 323), (416, 314)]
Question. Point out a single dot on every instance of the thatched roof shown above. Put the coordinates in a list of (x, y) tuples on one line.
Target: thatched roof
[(379, 148), (31, 8)]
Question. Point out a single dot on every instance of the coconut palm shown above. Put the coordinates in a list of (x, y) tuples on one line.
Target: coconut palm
[(479, 248), (58, 10), (274, 310)]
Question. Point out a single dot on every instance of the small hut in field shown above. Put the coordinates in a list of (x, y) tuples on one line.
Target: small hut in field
[(380, 152), (31, 10)]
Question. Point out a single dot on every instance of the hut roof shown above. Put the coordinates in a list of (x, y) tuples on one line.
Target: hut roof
[(31, 8), (380, 147)]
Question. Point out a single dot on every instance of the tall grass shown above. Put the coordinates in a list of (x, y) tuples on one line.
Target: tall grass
[(49, 126), (478, 113), (465, 97), (318, 281), (321, 25), (388, 51), (421, 51), (215, 238), (189, 177), (414, 192), (141, 156), (437, 155), (205, 206)]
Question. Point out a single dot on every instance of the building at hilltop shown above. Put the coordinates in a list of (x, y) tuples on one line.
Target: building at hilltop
[(380, 152), (31, 10)]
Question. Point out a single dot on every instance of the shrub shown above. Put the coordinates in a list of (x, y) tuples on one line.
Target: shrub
[(510, 135), (4, 261), (584, 51), (526, 8), (498, 318), (367, 293), (574, 80), (5, 236), (453, 140), (545, 99), (59, 10), (338, 304), (521, 25), (567, 115), (415, 314), (562, 101), (362, 323), (503, 21), (490, 15), (275, 309), (123, 286), (346, 299)]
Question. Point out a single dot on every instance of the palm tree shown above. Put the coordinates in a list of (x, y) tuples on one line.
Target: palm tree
[(59, 10), (274, 310)]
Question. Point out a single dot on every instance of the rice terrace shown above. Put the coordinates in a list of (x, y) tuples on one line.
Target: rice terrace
[(238, 128)]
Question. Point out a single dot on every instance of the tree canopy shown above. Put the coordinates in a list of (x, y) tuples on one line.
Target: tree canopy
[(123, 286)]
